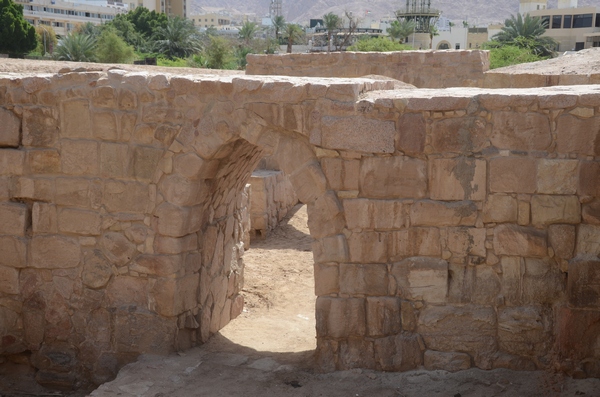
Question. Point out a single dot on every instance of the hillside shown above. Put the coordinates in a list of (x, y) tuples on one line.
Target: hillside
[(475, 11)]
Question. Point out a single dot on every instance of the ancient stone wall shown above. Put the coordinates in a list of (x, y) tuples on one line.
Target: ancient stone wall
[(498, 78), (454, 228), (424, 69)]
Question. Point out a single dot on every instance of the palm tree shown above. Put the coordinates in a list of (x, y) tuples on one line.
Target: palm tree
[(526, 31), (179, 38), (247, 31), (331, 22), (401, 30), (292, 33), (76, 47), (279, 25), (433, 31)]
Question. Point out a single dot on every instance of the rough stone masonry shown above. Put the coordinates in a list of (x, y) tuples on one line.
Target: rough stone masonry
[(454, 227)]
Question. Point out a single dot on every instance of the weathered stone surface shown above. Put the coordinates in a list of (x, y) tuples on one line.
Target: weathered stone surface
[(40, 127), (358, 133), (375, 214), (13, 219), (175, 296), (520, 131), (54, 252), (524, 331), (341, 174), (576, 135), (14, 251), (43, 161), (394, 177), (11, 161), (44, 218), (462, 178), (463, 241), (330, 249), (399, 353), (411, 133), (327, 279), (557, 176), (513, 175), (309, 183), (117, 248), (368, 247), (145, 162), (325, 216), (416, 241), (578, 331), (79, 222), (517, 240), (76, 118), (588, 240), (132, 334), (10, 135), (590, 213), (338, 318), (79, 157), (96, 270), (446, 361), (562, 240), (383, 316), (500, 208), (437, 213), (359, 279), (114, 160), (547, 209), (126, 290), (420, 278), (459, 135), (125, 196), (584, 281), (9, 280), (542, 282), (589, 178)]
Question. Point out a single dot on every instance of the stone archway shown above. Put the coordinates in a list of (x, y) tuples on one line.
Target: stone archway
[(443, 45)]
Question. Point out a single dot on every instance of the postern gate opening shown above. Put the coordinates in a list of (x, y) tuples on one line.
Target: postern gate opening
[(453, 228)]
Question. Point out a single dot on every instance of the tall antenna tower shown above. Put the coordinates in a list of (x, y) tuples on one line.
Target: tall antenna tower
[(421, 13), (275, 9)]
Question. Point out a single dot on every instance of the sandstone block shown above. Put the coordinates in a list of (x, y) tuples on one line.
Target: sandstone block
[(416, 241), (513, 175), (341, 174), (14, 252), (114, 160), (557, 176), (583, 285), (132, 336), (576, 135), (459, 135), (420, 278), (588, 240), (79, 157), (358, 133), (437, 213), (368, 247), (399, 353), (177, 221), (40, 127), (591, 213), (520, 131), (76, 118), (577, 333), (463, 241), (411, 133), (9, 280), (54, 252), (589, 178), (309, 183), (555, 209), (524, 212), (375, 214), (326, 279), (383, 316), (470, 329), (562, 240), (10, 135), (81, 222), (325, 216), (543, 282), (175, 245), (145, 162), (524, 331), (126, 290), (125, 196), (43, 161), (175, 296), (33, 189), (44, 218), (292, 154), (117, 248), (96, 270), (393, 177), (458, 179), (340, 317), (451, 362), (13, 219), (104, 126), (500, 208), (181, 191), (189, 165), (11, 162), (519, 241), (360, 279), (74, 192)]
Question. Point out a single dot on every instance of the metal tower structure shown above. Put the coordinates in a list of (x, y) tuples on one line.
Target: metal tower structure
[(421, 13), (275, 8)]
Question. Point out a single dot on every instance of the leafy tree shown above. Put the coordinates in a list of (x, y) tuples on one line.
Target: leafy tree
[(400, 30), (218, 53), (247, 31), (292, 33), (146, 21), (377, 44), (531, 28), (179, 38), (279, 25), (46, 38), (76, 47), (331, 22), (128, 32), (433, 31), (113, 49), (89, 29), (17, 36)]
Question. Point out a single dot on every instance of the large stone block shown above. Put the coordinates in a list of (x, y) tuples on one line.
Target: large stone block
[(54, 252), (341, 317), (437, 213), (368, 247), (76, 118), (542, 282), (459, 135), (117, 248), (411, 133), (578, 333), (361, 279), (74, 192), (525, 331), (589, 178), (13, 219), (557, 176), (9, 280), (114, 160), (43, 161), (325, 216), (401, 352), (79, 157), (576, 135), (327, 279), (145, 162), (132, 336), (513, 175), (521, 131), (177, 221), (463, 241), (309, 183), (11, 161), (383, 316), (375, 214), (96, 270), (516, 240), (420, 278), (182, 191), (341, 174), (126, 291), (584, 281), (458, 179), (588, 240), (79, 222), (126, 196), (446, 361), (14, 252), (358, 133), (555, 209), (562, 240), (416, 241), (393, 177), (175, 296), (10, 135), (40, 127), (500, 208), (44, 218), (590, 212)]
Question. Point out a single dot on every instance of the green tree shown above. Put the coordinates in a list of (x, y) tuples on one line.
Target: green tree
[(46, 38), (292, 34), (89, 29), (128, 32), (433, 31), (218, 53), (113, 49), (178, 39), (76, 47), (278, 25), (377, 44), (17, 36), (331, 22), (247, 31), (146, 21), (400, 30), (518, 28)]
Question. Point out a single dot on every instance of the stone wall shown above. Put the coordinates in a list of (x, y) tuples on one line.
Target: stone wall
[(272, 198), (501, 79), (454, 228), (424, 69)]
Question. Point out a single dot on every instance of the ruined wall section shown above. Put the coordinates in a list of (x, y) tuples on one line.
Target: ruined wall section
[(424, 69)]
